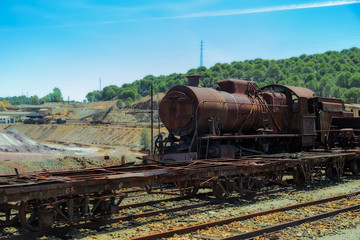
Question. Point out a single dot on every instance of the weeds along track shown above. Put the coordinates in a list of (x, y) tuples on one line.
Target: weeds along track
[(239, 227), (269, 221)]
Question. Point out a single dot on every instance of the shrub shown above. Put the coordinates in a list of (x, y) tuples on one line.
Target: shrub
[(145, 139), (119, 103)]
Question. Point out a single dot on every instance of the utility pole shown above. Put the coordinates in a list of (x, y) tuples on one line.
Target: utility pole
[(99, 84), (201, 52), (152, 118)]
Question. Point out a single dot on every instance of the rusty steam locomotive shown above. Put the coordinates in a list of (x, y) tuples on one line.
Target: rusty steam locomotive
[(236, 118)]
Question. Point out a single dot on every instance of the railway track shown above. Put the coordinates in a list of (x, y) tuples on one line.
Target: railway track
[(260, 231), (61, 231)]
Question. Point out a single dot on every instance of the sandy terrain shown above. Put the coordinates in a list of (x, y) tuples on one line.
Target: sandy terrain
[(20, 151)]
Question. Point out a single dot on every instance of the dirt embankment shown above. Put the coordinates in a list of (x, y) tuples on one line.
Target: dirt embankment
[(108, 136), (14, 141), (122, 126)]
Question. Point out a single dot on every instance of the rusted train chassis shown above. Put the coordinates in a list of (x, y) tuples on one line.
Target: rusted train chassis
[(43, 199)]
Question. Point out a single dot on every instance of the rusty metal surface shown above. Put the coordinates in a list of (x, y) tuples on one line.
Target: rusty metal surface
[(185, 109), (341, 122), (60, 231), (299, 91), (239, 87), (200, 120), (43, 185), (270, 135), (193, 80)]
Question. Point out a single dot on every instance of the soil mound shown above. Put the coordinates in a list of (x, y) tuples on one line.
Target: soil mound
[(14, 141)]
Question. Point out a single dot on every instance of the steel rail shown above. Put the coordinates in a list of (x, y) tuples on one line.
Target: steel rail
[(240, 218), (141, 204), (278, 227), (58, 231)]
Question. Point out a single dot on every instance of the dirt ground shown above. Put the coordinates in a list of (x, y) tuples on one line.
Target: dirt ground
[(35, 147), (20, 151)]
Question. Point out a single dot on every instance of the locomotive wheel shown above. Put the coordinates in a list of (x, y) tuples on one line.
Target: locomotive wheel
[(331, 172), (8, 215), (299, 177), (219, 190), (29, 215), (355, 167)]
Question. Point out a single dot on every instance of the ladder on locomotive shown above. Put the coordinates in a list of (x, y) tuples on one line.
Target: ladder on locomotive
[(265, 113), (203, 148)]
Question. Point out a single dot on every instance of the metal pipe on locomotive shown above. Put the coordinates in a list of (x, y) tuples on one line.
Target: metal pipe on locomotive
[(236, 118)]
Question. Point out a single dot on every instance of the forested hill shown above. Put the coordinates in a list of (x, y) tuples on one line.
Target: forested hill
[(331, 74)]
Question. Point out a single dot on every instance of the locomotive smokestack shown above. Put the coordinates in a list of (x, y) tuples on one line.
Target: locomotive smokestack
[(193, 80)]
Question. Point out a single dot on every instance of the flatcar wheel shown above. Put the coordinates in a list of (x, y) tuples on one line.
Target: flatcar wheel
[(148, 189), (8, 215), (219, 190), (299, 177), (191, 191), (29, 216), (355, 166)]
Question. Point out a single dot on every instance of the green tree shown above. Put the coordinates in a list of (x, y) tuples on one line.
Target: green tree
[(354, 81), (308, 69), (119, 103), (313, 85), (295, 80), (342, 79), (352, 95), (128, 101), (327, 91), (248, 75), (145, 139), (258, 75), (90, 97), (109, 92), (35, 100), (273, 71), (56, 95), (337, 66), (127, 94), (45, 99), (316, 71), (309, 77)]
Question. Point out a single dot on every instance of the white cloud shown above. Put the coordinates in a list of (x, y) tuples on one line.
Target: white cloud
[(263, 10)]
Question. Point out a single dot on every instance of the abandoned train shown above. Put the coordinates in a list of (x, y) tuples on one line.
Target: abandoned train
[(221, 127), (236, 118)]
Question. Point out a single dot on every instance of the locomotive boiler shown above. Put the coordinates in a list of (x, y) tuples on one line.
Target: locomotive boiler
[(236, 118)]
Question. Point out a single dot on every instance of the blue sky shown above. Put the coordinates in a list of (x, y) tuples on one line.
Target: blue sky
[(70, 44)]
